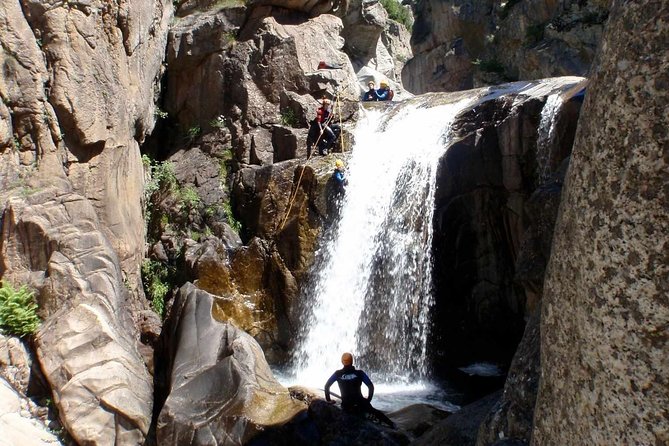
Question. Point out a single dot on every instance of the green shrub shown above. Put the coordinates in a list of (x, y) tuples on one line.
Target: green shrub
[(189, 197), (230, 217), (288, 118), (193, 133), (154, 275), (18, 310), (162, 177), (398, 13)]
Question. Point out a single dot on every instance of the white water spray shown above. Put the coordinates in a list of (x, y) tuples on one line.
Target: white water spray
[(372, 289), (546, 133)]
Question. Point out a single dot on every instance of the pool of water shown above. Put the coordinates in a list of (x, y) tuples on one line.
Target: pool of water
[(388, 397)]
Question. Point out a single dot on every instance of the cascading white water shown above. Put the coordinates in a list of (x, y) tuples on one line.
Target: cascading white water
[(372, 289), (546, 132)]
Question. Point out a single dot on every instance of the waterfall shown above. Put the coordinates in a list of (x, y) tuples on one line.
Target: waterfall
[(371, 293), (546, 132)]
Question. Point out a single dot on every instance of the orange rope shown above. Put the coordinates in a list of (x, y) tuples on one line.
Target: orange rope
[(304, 166)]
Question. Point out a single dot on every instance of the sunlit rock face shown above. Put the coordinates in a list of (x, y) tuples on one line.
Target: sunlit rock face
[(80, 81), (459, 45), (17, 420), (254, 68), (604, 342), (53, 241), (221, 389)]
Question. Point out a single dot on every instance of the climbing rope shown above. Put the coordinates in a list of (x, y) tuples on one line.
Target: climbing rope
[(293, 195)]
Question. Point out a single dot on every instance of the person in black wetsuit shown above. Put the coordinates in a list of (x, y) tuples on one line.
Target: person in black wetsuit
[(350, 381)]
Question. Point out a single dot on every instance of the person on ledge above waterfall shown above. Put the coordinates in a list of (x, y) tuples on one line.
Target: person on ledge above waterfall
[(350, 381), (384, 93), (370, 95)]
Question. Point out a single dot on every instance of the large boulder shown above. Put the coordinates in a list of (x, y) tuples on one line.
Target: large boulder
[(221, 390), (53, 241), (605, 312), (286, 202), (254, 290), (363, 25)]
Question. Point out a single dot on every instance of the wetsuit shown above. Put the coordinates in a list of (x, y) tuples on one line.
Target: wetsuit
[(370, 95), (339, 178), (384, 94), (350, 381)]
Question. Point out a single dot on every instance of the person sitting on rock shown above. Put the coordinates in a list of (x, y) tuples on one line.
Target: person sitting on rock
[(370, 95), (350, 381), (384, 93), (321, 131)]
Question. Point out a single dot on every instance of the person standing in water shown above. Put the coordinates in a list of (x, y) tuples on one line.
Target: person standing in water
[(350, 381)]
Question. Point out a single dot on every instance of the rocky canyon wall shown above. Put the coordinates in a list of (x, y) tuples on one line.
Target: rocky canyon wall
[(604, 324), (463, 44), (78, 90)]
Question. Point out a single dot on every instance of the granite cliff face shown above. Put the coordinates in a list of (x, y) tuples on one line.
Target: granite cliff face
[(604, 322), (78, 90), (463, 44)]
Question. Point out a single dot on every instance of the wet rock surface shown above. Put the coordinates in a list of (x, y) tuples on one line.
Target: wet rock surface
[(221, 389), (493, 219), (326, 424), (460, 428)]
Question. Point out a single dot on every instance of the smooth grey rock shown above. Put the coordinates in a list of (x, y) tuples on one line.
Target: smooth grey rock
[(221, 388), (87, 343), (16, 424)]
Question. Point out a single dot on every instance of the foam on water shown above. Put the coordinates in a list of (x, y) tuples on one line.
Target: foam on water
[(372, 289)]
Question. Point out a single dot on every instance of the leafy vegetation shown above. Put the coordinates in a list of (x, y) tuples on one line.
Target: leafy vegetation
[(161, 114), (193, 133), (230, 217), (398, 13), (189, 198), (218, 122), (18, 310), (154, 279), (162, 178), (289, 118)]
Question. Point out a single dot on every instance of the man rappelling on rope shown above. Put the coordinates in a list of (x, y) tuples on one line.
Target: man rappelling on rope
[(323, 132), (350, 381)]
